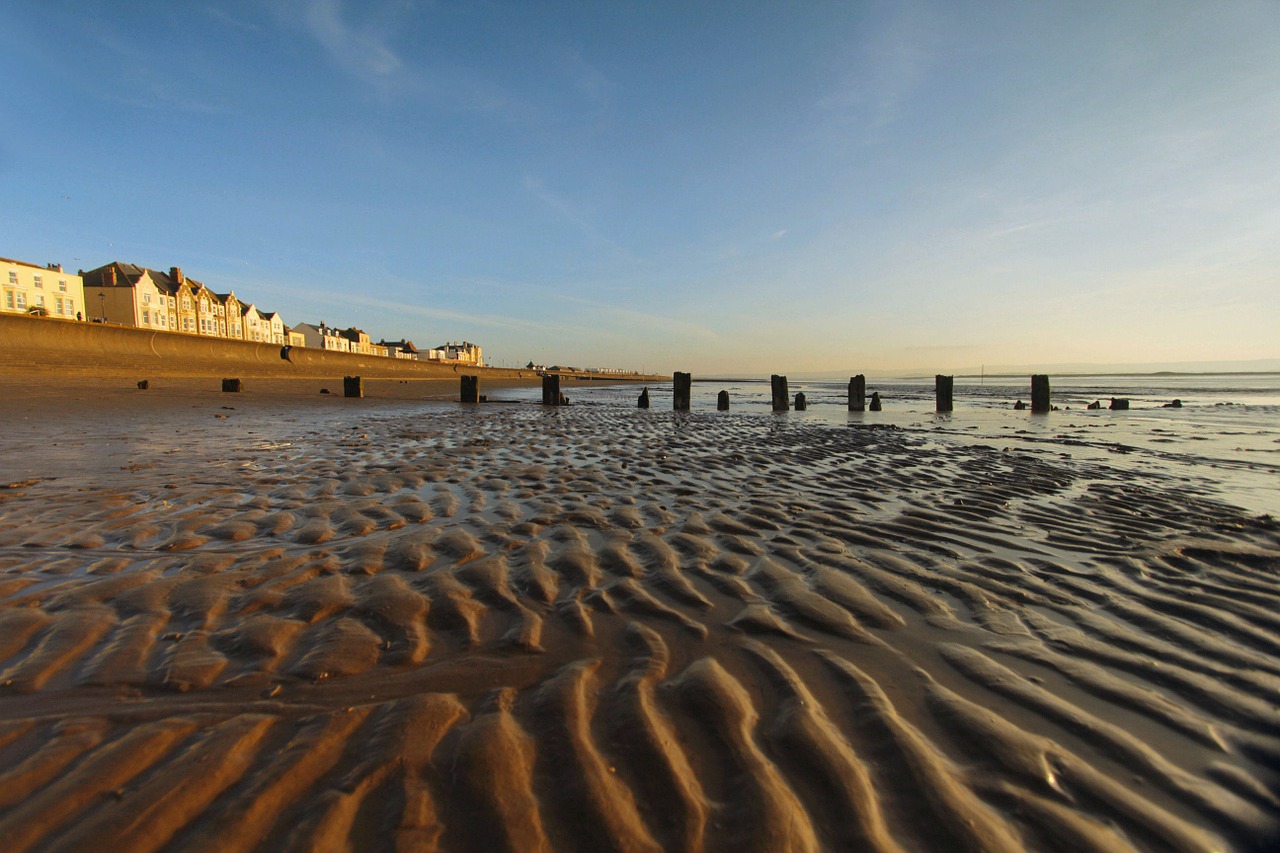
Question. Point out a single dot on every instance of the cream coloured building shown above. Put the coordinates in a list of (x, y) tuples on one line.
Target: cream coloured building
[(48, 290)]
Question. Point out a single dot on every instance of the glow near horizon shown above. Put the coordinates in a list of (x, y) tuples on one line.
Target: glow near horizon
[(721, 187)]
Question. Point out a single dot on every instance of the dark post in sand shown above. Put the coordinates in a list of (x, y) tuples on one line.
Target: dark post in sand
[(353, 386), (551, 389), (228, 385), (642, 402), (858, 393), (722, 401), (942, 388), (802, 403), (470, 389), (1039, 393), (681, 384), (875, 401), (781, 402)]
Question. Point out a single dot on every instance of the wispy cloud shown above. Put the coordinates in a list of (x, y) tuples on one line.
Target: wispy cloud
[(360, 50), (887, 70)]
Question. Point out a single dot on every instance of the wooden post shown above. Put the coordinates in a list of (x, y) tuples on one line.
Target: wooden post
[(681, 385), (551, 389), (858, 393), (801, 402), (942, 388), (1039, 393), (1119, 404), (231, 386), (353, 386), (781, 401), (875, 401), (722, 401), (642, 402), (470, 389)]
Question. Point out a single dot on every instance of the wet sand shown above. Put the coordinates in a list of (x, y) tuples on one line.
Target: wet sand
[(281, 620)]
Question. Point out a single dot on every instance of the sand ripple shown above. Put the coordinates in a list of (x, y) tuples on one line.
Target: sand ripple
[(605, 629)]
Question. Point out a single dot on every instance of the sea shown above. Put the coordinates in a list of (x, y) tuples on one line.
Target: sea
[(1223, 436)]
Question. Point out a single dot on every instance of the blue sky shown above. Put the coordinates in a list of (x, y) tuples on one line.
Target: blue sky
[(718, 187)]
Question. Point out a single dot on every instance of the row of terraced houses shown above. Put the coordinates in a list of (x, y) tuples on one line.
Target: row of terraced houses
[(129, 295)]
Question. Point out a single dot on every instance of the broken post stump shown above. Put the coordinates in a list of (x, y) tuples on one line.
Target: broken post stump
[(681, 384), (781, 401), (858, 393), (642, 402), (875, 401), (353, 386), (1039, 394), (802, 402), (1119, 404), (551, 389), (231, 386), (143, 384), (722, 401), (470, 389), (942, 393)]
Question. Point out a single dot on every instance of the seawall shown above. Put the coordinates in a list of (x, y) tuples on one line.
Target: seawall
[(44, 345)]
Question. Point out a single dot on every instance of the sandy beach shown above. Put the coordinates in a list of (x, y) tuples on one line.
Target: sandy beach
[(287, 620)]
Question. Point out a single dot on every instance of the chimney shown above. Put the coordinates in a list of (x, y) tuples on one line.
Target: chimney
[(55, 267), (175, 273), (109, 276)]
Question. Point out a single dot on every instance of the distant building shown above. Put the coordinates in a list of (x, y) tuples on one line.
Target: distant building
[(130, 295), (463, 353), (357, 341), (47, 290), (322, 337), (400, 349)]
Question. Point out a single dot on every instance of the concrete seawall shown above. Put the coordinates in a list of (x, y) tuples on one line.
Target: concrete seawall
[(43, 345)]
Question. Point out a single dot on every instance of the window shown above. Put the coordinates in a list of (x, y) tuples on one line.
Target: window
[(57, 305), (62, 285), (146, 317), (8, 299), (40, 299), (13, 277), (146, 298), (39, 280), (186, 304), (22, 301)]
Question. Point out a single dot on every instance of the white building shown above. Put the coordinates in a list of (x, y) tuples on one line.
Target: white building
[(47, 290)]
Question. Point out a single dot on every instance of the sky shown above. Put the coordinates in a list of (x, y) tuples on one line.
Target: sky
[(718, 187)]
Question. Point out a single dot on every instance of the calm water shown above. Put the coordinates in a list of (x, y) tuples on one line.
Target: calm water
[(1225, 439)]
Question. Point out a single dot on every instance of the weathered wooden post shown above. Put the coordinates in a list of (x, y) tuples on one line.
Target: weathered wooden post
[(551, 389), (722, 401), (470, 389), (643, 401), (875, 401), (781, 400), (230, 386), (802, 403), (1119, 404), (143, 385), (858, 393), (1039, 393), (942, 388), (681, 386), (353, 386)]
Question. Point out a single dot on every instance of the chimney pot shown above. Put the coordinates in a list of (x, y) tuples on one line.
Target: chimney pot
[(175, 273)]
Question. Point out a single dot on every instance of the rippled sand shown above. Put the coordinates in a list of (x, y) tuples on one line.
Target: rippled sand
[(378, 625)]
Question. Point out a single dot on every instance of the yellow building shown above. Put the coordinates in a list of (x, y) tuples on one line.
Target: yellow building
[(47, 291)]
